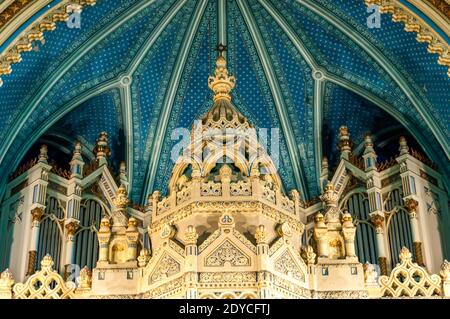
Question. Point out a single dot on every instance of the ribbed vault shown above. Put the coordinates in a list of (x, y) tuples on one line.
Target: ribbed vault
[(138, 69)]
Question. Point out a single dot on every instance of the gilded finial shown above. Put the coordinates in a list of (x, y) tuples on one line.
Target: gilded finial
[(101, 149), (405, 254), (43, 157), (345, 143), (221, 83), (368, 143), (47, 262), (347, 218), (121, 200), (104, 225), (319, 219), (330, 196), (404, 149)]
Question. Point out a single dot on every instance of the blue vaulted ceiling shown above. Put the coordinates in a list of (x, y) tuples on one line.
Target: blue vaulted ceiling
[(138, 69)]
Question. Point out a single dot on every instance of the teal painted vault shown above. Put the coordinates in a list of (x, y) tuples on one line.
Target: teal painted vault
[(138, 69)]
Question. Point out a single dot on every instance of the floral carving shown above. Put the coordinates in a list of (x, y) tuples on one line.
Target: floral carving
[(211, 189), (409, 280), (286, 264), (166, 267), (45, 284), (240, 188), (227, 277), (227, 253)]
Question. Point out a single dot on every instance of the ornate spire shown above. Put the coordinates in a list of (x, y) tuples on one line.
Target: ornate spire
[(368, 143), (221, 83), (330, 196), (101, 149), (404, 149), (121, 201), (43, 157), (223, 114), (77, 152), (77, 162), (370, 157), (345, 143)]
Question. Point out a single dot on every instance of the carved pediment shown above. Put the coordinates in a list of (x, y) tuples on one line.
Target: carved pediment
[(166, 267), (227, 254), (291, 266)]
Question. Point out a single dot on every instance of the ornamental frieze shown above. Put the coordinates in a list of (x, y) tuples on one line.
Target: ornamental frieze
[(227, 277), (220, 207)]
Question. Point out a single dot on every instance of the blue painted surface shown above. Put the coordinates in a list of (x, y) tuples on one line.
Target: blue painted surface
[(331, 49)]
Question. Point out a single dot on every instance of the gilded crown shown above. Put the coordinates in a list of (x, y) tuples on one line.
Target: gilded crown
[(330, 196), (121, 200), (47, 262)]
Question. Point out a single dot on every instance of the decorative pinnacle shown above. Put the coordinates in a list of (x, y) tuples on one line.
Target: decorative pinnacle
[(121, 200), (77, 152), (368, 143), (330, 196), (345, 143), (404, 149), (221, 83), (101, 149), (43, 157)]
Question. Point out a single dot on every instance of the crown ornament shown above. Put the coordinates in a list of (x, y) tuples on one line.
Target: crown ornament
[(405, 254), (330, 196), (221, 83), (47, 263), (6, 279), (121, 200)]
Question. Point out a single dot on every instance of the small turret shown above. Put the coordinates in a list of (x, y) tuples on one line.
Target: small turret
[(123, 173), (345, 143), (404, 149), (101, 149), (77, 162), (370, 157), (43, 156)]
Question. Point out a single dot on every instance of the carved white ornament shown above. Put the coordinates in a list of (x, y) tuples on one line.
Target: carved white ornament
[(166, 267), (211, 189), (227, 252), (408, 279), (45, 284), (286, 264), (240, 188)]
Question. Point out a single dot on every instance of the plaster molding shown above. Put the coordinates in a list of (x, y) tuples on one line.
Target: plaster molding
[(414, 23), (34, 32), (388, 66)]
